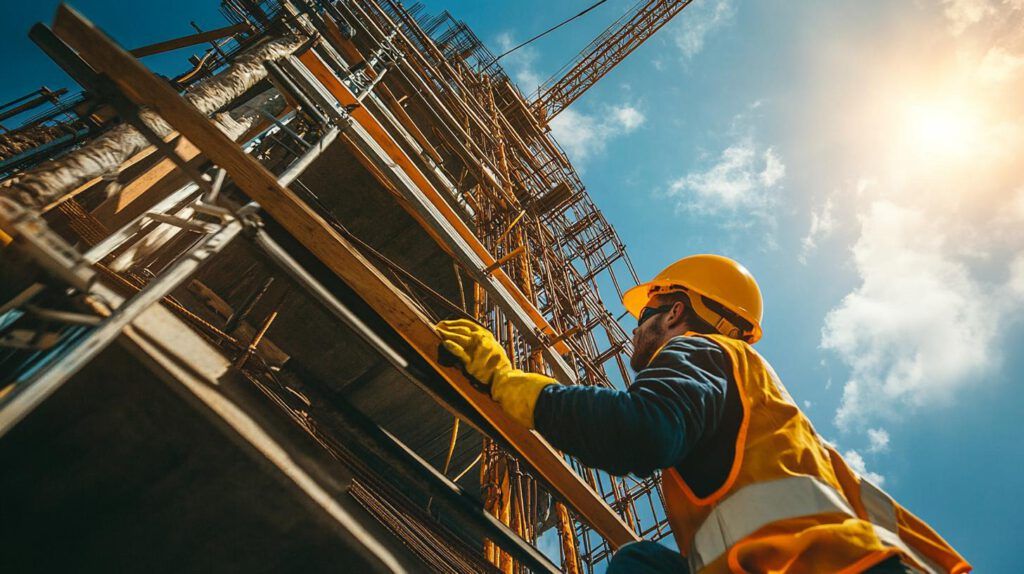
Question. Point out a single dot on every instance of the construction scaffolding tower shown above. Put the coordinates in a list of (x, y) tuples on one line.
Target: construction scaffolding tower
[(272, 234)]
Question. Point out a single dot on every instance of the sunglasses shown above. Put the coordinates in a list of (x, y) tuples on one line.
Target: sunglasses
[(648, 312)]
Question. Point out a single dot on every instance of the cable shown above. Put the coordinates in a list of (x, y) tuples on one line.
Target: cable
[(548, 31)]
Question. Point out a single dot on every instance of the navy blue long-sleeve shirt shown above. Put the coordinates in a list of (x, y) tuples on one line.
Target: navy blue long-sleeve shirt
[(673, 405)]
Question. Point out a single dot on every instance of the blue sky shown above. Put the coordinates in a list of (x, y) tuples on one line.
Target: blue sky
[(860, 158)]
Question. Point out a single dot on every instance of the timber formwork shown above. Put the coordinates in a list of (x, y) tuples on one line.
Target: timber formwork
[(268, 237)]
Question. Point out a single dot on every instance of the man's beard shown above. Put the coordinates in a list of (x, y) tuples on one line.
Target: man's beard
[(645, 347)]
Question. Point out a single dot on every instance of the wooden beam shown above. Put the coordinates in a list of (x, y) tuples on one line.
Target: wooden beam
[(158, 180), (163, 177), (144, 88), (190, 40), (143, 154)]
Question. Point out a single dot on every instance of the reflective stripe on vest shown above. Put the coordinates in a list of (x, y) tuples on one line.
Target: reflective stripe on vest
[(881, 510), (748, 509), (754, 506)]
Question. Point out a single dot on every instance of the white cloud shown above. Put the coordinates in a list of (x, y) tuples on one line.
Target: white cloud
[(584, 136), (519, 64), (773, 170), (739, 187), (822, 225), (1016, 282), (627, 117), (864, 184), (696, 22), (937, 251), (918, 328), (742, 182), (879, 440), (963, 14), (999, 65), (1017, 203), (856, 463), (939, 279)]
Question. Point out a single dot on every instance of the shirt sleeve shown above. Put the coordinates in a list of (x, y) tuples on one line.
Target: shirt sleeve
[(671, 406)]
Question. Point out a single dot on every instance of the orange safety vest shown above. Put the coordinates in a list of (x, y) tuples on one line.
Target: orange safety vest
[(790, 503)]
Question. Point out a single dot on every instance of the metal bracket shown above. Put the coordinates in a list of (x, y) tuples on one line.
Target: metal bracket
[(35, 239), (308, 85), (286, 85)]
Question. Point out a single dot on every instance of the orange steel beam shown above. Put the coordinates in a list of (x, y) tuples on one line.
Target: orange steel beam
[(309, 228)]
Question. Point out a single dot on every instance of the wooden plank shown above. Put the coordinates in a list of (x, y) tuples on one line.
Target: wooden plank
[(144, 88), (190, 40), (141, 155), (158, 181), (162, 177), (407, 122)]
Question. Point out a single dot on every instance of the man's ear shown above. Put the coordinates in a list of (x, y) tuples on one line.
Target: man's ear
[(676, 315)]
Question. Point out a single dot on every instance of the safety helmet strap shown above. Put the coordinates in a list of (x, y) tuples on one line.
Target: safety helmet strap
[(720, 322)]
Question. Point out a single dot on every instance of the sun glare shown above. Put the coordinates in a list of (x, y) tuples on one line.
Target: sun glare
[(941, 129)]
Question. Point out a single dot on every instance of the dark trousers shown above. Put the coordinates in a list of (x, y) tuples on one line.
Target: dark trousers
[(645, 556), (654, 558)]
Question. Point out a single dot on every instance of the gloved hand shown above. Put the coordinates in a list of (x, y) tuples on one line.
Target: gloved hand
[(516, 391), (475, 347)]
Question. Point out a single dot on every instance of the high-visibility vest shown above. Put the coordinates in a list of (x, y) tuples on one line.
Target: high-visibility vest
[(790, 503)]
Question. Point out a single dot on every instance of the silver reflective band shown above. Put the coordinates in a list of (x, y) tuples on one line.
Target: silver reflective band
[(757, 505), (760, 504), (882, 513), (880, 508)]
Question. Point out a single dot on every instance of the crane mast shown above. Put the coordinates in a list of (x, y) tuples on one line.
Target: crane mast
[(602, 54)]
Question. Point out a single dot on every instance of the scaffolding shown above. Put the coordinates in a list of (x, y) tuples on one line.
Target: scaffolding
[(343, 116)]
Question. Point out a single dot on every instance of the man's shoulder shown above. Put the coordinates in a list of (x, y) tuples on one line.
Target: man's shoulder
[(691, 350), (692, 343)]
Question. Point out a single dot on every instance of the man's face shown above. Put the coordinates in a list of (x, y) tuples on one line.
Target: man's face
[(648, 338)]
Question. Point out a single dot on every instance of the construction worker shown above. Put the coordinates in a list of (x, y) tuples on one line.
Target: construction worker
[(749, 485)]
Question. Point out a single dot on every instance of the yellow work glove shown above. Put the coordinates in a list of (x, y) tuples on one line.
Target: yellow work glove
[(485, 360)]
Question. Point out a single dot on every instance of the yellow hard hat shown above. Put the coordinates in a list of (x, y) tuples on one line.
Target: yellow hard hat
[(721, 280)]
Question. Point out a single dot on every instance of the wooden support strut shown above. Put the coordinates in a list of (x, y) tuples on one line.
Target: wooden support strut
[(190, 40), (144, 88), (511, 255)]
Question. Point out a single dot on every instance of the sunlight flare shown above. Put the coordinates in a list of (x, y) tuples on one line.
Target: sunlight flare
[(941, 129)]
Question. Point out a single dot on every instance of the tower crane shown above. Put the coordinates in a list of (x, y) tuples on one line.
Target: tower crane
[(602, 54)]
